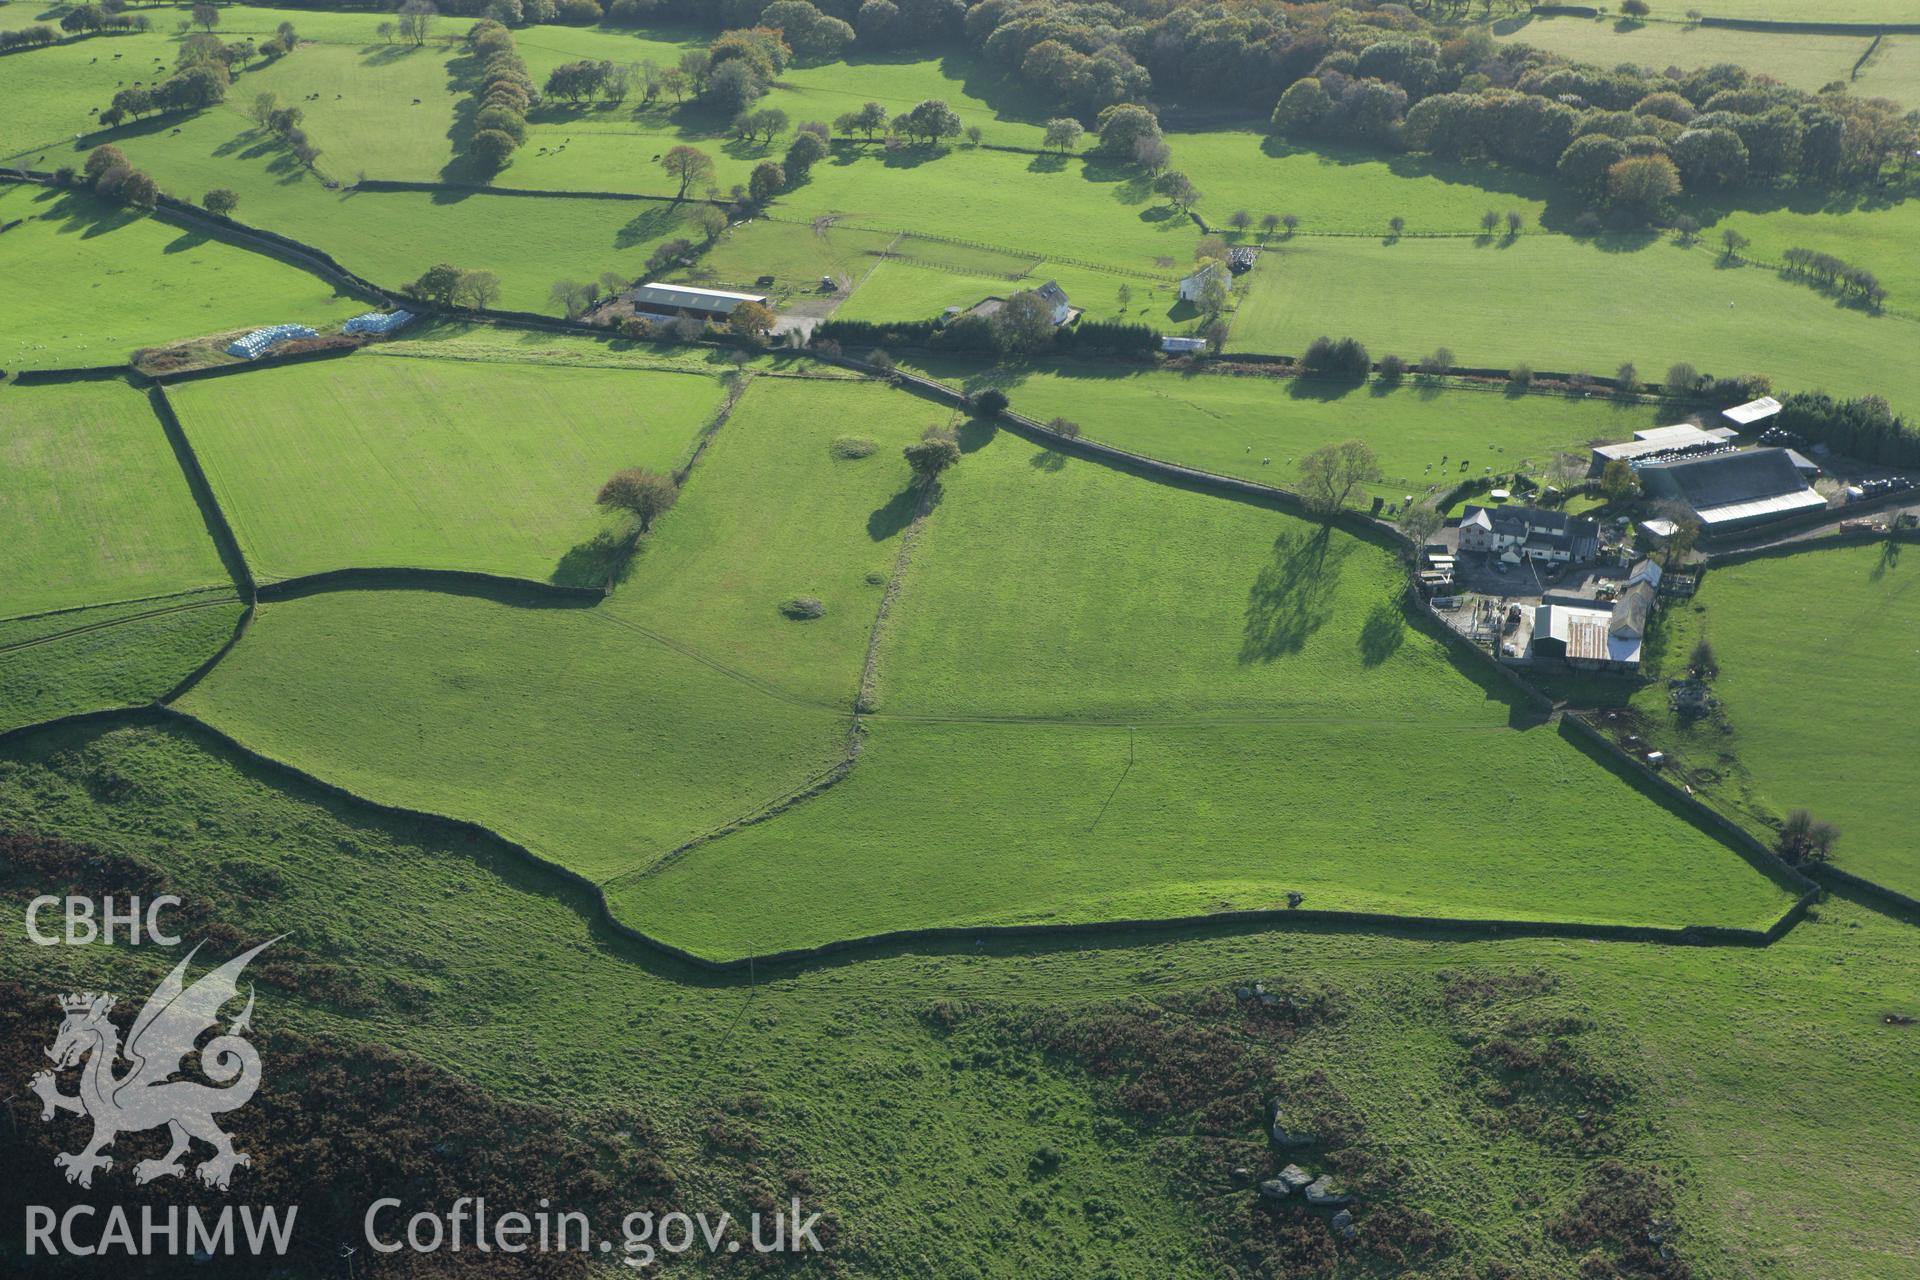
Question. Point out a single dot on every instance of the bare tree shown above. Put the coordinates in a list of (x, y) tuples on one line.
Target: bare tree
[(1330, 474)]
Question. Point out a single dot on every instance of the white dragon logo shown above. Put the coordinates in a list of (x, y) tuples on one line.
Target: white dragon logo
[(146, 1096)]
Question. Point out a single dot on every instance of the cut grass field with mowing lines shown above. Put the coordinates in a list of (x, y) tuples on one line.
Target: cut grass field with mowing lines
[(1819, 667), (94, 507), (371, 462), (1234, 425), (108, 656), (109, 282)]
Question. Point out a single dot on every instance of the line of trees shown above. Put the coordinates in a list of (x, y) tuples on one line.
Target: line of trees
[(502, 95), (283, 121), (1866, 428), (36, 36), (1834, 273), (113, 177), (204, 67), (587, 79), (1398, 78), (452, 286)]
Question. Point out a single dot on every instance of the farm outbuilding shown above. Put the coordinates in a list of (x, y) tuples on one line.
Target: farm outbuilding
[(1656, 443), (687, 300), (1735, 490), (1193, 286)]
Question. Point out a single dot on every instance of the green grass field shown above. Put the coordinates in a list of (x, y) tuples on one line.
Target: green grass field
[(1566, 305), (681, 703), (1816, 650), (596, 745), (94, 508), (116, 655), (1893, 71), (1734, 1064), (1059, 618), (1258, 428), (373, 462), (1804, 61), (1093, 697), (112, 283), (770, 514), (391, 237)]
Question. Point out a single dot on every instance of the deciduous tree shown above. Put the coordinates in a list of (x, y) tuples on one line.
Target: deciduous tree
[(1329, 475), (642, 493)]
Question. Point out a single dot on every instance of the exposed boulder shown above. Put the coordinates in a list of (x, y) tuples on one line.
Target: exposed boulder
[(1295, 1177), (1321, 1192), (1274, 1189)]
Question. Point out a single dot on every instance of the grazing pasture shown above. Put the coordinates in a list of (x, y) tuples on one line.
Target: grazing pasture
[(590, 742), (106, 656), (1178, 705), (1566, 304), (371, 462), (391, 237), (112, 282), (93, 505), (1095, 823), (1799, 59), (773, 512), (1817, 666), (1258, 428), (1728, 1062)]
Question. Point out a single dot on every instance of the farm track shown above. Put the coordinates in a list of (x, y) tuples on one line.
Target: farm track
[(141, 616)]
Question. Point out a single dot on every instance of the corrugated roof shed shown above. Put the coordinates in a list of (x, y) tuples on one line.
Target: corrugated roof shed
[(685, 297), (1753, 411), (1731, 488)]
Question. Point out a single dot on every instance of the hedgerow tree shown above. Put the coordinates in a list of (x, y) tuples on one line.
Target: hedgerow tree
[(1063, 134), (766, 182), (935, 452), (1023, 325), (1329, 475), (806, 150), (687, 166), (1803, 839), (641, 493), (221, 201)]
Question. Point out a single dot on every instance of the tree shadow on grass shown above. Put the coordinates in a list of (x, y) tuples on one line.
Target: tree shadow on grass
[(1048, 460), (1383, 633), (974, 434), (649, 225), (1292, 596), (896, 515), (605, 560), (186, 240)]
